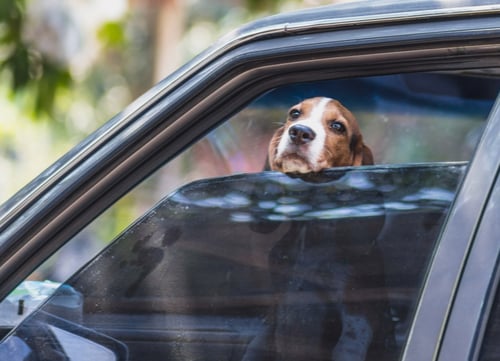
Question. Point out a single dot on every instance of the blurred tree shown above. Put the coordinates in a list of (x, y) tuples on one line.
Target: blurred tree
[(36, 78), (27, 69), (263, 5), (73, 64)]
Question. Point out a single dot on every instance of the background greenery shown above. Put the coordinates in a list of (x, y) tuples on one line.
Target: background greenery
[(67, 66)]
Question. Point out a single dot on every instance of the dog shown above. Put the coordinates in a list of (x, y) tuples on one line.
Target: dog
[(319, 133), (320, 267)]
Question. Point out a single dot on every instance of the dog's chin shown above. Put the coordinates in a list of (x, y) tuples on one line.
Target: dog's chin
[(295, 164)]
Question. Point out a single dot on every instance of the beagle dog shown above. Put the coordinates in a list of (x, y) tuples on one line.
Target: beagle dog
[(318, 266), (319, 133)]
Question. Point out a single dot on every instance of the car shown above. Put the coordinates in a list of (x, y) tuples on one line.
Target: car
[(396, 260)]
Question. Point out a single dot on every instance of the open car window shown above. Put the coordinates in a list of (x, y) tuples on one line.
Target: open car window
[(404, 118), (262, 266)]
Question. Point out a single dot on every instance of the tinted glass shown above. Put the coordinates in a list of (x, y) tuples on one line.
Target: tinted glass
[(259, 267)]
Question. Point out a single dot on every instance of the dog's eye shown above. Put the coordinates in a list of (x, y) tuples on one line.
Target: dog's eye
[(337, 126), (294, 113)]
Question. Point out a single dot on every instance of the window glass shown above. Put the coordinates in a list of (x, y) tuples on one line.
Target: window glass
[(224, 266), (263, 266)]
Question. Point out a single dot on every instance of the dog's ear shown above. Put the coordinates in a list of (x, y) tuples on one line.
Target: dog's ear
[(362, 154), (273, 148), (267, 166), (367, 158)]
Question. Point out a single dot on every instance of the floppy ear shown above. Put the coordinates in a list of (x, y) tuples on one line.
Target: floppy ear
[(362, 154), (272, 149), (367, 156)]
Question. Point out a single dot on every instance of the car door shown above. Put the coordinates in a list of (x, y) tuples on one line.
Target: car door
[(463, 275), (226, 267), (469, 312), (212, 269), (199, 98)]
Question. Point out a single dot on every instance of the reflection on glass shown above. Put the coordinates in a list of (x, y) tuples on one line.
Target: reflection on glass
[(266, 267)]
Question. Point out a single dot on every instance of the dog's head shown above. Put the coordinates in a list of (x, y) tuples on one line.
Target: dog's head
[(319, 133)]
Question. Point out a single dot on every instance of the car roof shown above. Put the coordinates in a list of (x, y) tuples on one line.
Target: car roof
[(327, 18), (368, 8)]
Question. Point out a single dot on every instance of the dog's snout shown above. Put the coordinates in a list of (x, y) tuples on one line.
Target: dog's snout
[(300, 134)]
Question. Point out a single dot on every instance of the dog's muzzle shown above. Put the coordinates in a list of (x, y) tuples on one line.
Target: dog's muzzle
[(301, 134)]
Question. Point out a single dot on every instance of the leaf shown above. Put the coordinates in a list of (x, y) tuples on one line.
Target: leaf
[(19, 65), (54, 78), (112, 34)]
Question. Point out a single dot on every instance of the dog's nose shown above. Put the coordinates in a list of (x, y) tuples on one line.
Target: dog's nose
[(300, 134)]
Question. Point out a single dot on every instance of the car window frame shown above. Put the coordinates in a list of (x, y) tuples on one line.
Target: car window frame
[(447, 290)]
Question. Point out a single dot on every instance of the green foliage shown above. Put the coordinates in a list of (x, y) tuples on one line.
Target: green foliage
[(35, 79), (54, 77), (112, 34), (29, 71), (17, 56), (262, 5)]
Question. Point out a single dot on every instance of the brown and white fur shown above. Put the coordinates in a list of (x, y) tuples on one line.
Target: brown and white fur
[(319, 133)]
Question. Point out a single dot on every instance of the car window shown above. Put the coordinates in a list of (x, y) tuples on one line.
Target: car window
[(404, 118), (223, 266), (243, 267)]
